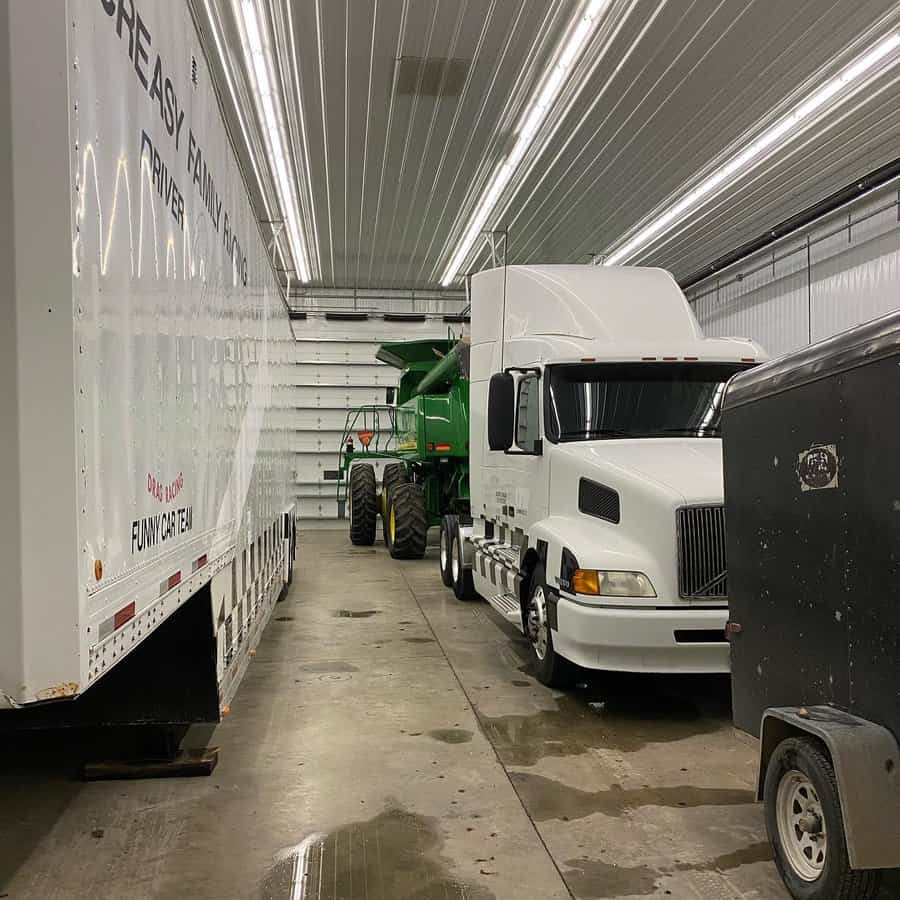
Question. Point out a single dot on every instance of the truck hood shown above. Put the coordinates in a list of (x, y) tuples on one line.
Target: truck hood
[(690, 468)]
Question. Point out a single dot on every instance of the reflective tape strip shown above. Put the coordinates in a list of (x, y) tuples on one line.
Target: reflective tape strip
[(116, 621), (167, 584), (199, 563)]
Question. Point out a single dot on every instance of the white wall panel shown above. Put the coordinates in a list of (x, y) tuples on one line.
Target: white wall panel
[(843, 271), (334, 371)]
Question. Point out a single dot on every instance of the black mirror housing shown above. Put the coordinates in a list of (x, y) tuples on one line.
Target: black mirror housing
[(501, 411)]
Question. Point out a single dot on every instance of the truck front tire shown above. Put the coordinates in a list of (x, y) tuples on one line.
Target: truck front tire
[(407, 522), (806, 827), (460, 577), (363, 502), (549, 667)]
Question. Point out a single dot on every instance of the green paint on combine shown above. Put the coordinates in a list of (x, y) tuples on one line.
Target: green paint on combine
[(424, 441)]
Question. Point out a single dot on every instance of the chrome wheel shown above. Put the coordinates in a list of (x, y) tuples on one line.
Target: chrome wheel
[(537, 622), (801, 825), (455, 561), (445, 550)]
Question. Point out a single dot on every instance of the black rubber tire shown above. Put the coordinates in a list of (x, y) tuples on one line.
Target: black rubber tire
[(393, 474), (553, 670), (463, 584), (363, 501), (449, 525), (407, 504), (837, 881)]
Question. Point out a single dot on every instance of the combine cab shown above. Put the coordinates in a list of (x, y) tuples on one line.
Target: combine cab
[(425, 440)]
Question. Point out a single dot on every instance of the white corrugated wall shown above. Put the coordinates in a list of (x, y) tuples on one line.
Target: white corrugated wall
[(332, 371), (841, 271)]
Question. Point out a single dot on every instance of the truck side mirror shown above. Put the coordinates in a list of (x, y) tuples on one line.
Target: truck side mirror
[(501, 411)]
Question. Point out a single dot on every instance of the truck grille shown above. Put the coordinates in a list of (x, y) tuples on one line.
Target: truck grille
[(701, 552)]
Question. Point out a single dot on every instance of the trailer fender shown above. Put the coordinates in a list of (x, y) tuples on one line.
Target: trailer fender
[(866, 760)]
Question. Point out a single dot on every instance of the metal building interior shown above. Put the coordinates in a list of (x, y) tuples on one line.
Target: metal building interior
[(387, 740)]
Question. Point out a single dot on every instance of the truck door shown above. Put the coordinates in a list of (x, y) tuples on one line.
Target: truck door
[(528, 471)]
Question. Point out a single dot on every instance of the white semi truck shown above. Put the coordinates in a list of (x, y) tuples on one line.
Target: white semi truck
[(596, 468), (146, 532)]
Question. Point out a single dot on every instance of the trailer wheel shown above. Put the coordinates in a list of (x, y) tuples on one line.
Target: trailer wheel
[(806, 827), (461, 577), (448, 529), (549, 667), (362, 505), (393, 474), (407, 522)]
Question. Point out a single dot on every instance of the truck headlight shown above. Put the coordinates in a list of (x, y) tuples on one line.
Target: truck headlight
[(612, 584)]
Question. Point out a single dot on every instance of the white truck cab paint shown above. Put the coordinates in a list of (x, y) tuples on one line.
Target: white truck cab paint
[(598, 518)]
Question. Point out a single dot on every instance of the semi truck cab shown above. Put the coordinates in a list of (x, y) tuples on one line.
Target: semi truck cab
[(596, 467)]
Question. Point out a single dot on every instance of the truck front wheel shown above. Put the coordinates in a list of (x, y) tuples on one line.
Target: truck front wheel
[(549, 667), (460, 576), (806, 828), (407, 523), (362, 505)]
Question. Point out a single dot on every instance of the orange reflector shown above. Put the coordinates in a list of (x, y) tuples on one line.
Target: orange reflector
[(589, 359), (691, 358), (670, 359), (585, 581), (365, 437), (747, 359), (442, 448), (648, 359), (98, 569)]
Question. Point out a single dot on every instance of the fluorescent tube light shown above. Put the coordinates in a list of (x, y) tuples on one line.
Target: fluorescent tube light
[(829, 96), (258, 53), (529, 125)]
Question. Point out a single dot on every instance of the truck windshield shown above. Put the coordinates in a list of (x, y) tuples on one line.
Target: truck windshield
[(586, 402)]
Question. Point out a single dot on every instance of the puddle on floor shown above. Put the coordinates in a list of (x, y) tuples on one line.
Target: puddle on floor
[(600, 717), (418, 640), (754, 853), (593, 879), (395, 856), (546, 798), (451, 735), (355, 613)]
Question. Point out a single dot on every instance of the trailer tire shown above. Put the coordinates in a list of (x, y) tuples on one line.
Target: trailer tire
[(460, 577), (549, 667), (800, 779), (393, 474), (449, 526), (362, 505), (407, 522)]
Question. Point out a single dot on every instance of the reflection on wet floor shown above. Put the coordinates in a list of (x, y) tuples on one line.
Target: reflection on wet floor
[(395, 856), (624, 713)]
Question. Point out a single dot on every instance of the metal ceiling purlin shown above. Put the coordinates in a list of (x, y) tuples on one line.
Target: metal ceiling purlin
[(665, 90)]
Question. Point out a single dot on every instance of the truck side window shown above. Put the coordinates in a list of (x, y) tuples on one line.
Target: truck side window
[(528, 425)]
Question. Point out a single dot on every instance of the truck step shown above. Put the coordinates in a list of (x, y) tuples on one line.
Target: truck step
[(508, 607)]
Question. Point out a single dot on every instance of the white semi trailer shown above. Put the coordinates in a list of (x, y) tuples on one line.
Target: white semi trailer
[(596, 467), (145, 512)]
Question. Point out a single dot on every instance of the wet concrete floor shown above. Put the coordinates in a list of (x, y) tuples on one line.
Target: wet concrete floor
[(390, 743)]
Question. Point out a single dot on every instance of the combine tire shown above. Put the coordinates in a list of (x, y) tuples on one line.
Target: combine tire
[(448, 529), (407, 522), (362, 505), (394, 474)]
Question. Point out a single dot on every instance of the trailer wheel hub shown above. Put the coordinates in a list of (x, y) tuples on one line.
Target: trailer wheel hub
[(801, 825)]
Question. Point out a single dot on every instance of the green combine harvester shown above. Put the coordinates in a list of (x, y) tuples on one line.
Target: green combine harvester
[(425, 435)]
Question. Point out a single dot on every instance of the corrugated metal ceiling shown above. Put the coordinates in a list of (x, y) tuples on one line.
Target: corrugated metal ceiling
[(401, 109)]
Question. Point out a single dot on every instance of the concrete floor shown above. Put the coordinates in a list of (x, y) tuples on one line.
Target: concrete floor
[(389, 742)]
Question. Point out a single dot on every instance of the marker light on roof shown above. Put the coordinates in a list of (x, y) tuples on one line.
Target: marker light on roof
[(259, 52), (829, 96), (529, 125)]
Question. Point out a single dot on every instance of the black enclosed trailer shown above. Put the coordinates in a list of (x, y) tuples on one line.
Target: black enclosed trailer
[(812, 505)]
